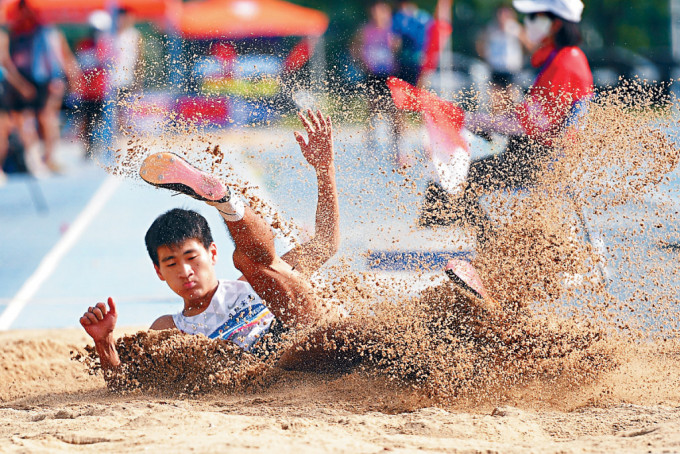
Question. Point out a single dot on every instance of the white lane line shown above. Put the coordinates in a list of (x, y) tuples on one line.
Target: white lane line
[(52, 259)]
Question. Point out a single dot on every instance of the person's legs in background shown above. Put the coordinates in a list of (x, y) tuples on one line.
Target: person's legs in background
[(4, 143), (48, 111), (25, 122)]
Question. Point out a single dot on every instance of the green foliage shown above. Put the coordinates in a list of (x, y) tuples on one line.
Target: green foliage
[(639, 25)]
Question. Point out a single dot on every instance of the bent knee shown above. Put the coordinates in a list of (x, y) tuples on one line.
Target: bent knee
[(242, 262), (246, 264)]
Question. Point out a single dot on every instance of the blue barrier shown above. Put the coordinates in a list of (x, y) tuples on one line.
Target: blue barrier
[(412, 260)]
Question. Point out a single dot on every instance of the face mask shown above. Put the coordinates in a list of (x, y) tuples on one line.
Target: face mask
[(537, 29)]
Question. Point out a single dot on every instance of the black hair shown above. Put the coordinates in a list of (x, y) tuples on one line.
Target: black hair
[(371, 3), (23, 4), (173, 228), (569, 33)]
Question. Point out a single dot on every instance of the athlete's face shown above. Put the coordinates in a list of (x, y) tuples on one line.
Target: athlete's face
[(188, 269)]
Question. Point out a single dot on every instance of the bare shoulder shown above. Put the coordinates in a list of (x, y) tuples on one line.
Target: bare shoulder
[(163, 322)]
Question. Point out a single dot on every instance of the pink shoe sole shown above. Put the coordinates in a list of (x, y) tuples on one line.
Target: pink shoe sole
[(170, 171), (463, 273)]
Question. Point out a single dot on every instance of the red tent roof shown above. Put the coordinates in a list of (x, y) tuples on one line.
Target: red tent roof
[(237, 19), (78, 11)]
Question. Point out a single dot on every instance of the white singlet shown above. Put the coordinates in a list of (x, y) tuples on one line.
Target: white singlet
[(235, 313)]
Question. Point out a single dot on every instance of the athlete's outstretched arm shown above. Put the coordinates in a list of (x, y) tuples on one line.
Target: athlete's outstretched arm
[(318, 151)]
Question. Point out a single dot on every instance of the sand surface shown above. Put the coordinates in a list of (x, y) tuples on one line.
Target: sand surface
[(49, 402)]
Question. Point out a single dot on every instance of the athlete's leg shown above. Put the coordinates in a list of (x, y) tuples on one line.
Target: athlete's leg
[(285, 291)]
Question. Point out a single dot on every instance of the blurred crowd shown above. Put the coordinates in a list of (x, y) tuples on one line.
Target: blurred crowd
[(38, 67), (399, 43), (398, 38), (402, 40)]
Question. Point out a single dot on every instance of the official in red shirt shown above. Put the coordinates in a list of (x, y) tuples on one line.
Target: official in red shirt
[(564, 79)]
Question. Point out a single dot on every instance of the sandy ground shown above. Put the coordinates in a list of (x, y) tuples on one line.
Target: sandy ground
[(48, 402)]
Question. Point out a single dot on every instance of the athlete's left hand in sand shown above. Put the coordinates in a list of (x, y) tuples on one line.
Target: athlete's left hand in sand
[(99, 322)]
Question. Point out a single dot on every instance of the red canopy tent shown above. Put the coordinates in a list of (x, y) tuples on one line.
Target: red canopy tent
[(78, 11), (238, 19)]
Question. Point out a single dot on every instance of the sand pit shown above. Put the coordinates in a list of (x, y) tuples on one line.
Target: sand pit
[(50, 403)]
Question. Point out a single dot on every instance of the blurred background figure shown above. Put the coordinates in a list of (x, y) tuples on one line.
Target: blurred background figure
[(91, 54), (126, 50), (420, 39), (109, 56), (501, 44), (10, 79), (374, 49), (410, 24), (563, 82), (42, 56)]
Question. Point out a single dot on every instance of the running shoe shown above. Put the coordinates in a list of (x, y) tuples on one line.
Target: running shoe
[(462, 273), (170, 171)]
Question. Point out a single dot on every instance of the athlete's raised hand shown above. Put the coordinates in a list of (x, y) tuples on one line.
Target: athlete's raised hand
[(318, 150), (99, 321)]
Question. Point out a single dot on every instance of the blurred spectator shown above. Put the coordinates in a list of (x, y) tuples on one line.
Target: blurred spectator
[(91, 54), (411, 24), (437, 34), (374, 50), (10, 79), (42, 56), (110, 57), (420, 36), (563, 83), (126, 50), (501, 45)]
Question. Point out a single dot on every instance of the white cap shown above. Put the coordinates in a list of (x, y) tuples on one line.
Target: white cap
[(569, 10), (100, 20)]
